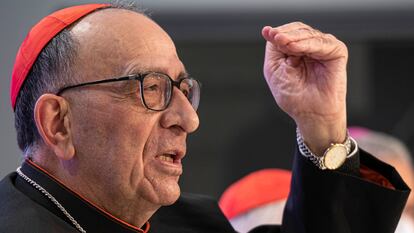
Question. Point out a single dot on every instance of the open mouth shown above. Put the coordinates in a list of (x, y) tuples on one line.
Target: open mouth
[(167, 157), (170, 158)]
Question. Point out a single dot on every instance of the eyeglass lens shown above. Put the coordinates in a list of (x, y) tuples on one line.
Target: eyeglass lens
[(157, 91)]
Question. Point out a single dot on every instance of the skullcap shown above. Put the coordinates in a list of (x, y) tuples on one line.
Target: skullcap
[(38, 37)]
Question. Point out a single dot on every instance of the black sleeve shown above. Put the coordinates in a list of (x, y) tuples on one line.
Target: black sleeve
[(319, 202), (324, 201)]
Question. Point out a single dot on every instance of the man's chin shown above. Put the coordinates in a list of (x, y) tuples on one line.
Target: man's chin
[(162, 191), (171, 197), (165, 193)]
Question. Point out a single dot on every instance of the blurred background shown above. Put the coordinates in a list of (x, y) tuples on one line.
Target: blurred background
[(241, 128)]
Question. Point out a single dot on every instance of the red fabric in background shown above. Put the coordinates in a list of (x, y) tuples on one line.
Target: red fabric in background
[(256, 189)]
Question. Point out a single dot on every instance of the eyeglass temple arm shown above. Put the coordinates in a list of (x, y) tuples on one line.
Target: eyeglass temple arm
[(124, 78)]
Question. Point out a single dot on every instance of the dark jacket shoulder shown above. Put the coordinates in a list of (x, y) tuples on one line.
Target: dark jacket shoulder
[(18, 213)]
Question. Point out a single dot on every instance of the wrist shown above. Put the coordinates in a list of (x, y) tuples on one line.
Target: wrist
[(319, 135), (334, 157)]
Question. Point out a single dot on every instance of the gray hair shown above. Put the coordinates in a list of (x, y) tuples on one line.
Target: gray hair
[(51, 71)]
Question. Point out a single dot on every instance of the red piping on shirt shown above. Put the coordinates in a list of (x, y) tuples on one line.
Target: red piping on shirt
[(119, 221)]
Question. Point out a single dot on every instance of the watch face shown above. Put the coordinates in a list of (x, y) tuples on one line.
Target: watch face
[(335, 156)]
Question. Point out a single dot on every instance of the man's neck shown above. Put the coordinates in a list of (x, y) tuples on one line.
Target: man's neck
[(133, 210)]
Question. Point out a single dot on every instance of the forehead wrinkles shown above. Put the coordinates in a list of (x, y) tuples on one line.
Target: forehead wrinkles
[(109, 38)]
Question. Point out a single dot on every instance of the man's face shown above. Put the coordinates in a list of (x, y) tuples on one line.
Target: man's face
[(127, 152)]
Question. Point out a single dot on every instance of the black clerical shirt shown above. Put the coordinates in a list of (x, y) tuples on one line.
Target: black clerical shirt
[(319, 201), (88, 215)]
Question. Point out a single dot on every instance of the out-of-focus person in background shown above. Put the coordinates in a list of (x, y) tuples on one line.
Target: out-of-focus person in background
[(256, 199), (394, 152), (260, 197)]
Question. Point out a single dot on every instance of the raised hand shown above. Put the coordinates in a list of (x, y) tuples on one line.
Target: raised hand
[(306, 72)]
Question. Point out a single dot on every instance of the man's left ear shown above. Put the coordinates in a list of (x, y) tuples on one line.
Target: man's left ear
[(51, 114)]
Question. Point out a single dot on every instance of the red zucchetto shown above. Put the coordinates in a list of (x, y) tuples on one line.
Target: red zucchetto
[(38, 37)]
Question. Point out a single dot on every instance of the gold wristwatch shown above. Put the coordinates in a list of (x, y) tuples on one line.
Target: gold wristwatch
[(333, 157)]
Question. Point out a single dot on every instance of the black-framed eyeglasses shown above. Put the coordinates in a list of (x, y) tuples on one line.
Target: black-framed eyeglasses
[(155, 88)]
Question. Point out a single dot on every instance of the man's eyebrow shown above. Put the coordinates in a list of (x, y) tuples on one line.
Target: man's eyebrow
[(183, 74), (137, 70), (141, 70)]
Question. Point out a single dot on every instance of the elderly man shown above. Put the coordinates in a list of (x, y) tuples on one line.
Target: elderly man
[(103, 106)]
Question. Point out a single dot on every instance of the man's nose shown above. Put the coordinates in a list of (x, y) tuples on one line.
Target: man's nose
[(180, 113)]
